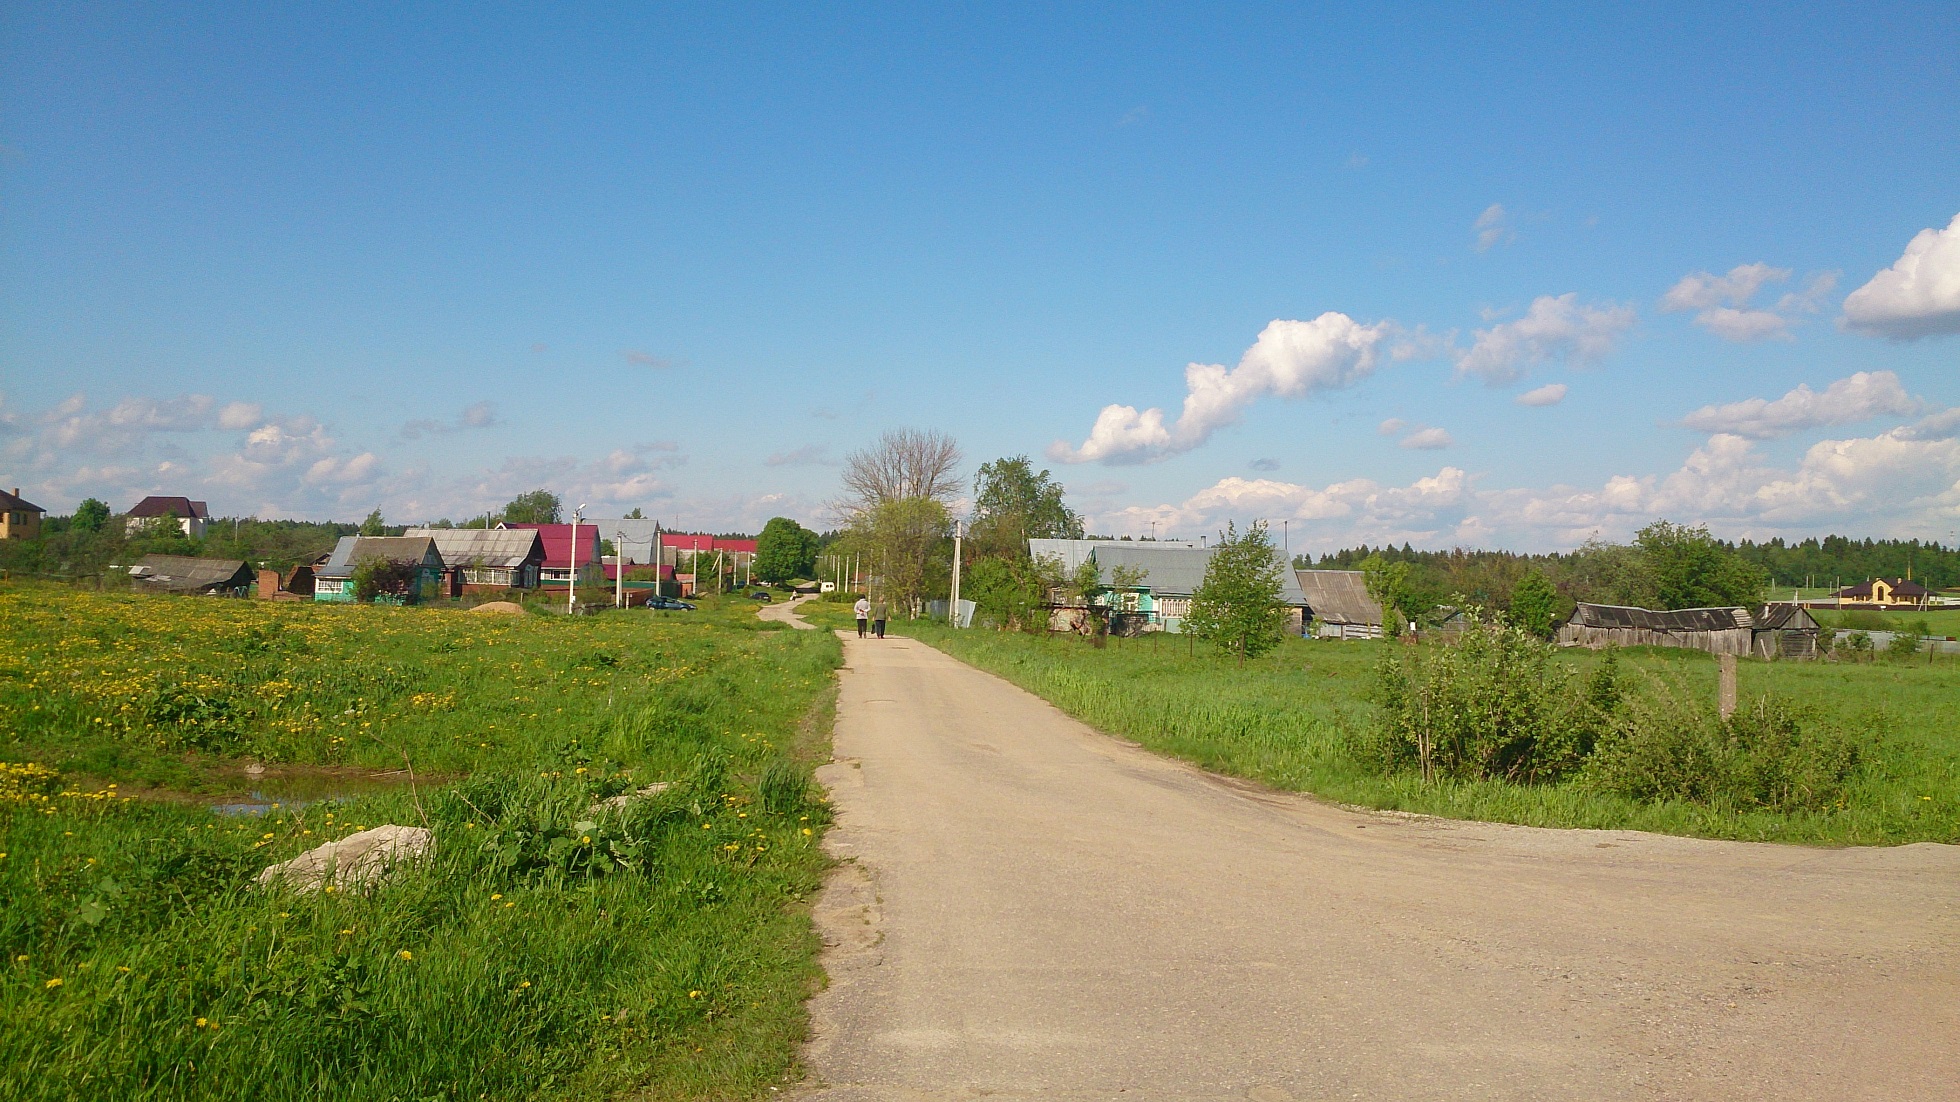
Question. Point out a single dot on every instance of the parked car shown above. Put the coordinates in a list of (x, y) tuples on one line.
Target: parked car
[(657, 601), (761, 595)]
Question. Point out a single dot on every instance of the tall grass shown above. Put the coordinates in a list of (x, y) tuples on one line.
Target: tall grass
[(547, 949), (1299, 719)]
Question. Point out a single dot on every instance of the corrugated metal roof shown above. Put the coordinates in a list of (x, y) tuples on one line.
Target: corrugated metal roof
[(1178, 571), (1339, 596), (506, 547), (557, 540), (1072, 553), (353, 550), (1680, 619), (183, 573)]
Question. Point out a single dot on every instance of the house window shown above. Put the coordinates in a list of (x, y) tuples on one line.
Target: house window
[(489, 575)]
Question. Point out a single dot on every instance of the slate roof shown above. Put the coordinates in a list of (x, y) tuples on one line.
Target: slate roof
[(185, 574), (1680, 619), (1073, 552), (1784, 616), (1339, 596), (1177, 571), (353, 550), (181, 507), (15, 503), (502, 547)]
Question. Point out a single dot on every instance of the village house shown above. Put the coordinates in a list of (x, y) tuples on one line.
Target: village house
[(154, 512), (421, 563), (1149, 583), (477, 560), (561, 558), (20, 519), (1339, 604), (188, 575), (693, 555), (1884, 594)]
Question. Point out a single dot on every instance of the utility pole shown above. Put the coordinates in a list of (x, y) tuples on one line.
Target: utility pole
[(571, 590), (953, 609), (619, 569)]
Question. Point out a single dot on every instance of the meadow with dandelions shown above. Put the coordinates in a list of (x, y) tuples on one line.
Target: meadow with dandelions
[(159, 752)]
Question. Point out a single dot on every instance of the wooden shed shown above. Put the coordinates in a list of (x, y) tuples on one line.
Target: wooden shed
[(1715, 630), (187, 574), (1784, 630), (1339, 603)]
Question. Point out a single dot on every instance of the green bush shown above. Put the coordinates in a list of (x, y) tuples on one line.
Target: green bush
[(1493, 706), (1769, 756)]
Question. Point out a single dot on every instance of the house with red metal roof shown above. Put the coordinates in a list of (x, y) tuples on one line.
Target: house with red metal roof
[(694, 554), (561, 557), (158, 511)]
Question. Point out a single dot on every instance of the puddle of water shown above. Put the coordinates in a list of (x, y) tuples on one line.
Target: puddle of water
[(290, 788)]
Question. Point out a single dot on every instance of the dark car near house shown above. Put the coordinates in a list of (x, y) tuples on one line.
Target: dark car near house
[(659, 602), (761, 595)]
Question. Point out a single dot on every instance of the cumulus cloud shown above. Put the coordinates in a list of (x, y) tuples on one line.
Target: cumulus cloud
[(1904, 482), (1291, 359), (476, 415), (1493, 227), (1430, 439), (1722, 304), (1918, 296), (1554, 328), (1550, 394), (1391, 426), (1855, 398)]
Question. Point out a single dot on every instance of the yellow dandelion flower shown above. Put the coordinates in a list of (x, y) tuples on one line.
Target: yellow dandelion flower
[(406, 955), (694, 994), (494, 896), (526, 983), (55, 982), (202, 1022)]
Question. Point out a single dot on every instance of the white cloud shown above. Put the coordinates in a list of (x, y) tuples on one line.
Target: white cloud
[(1918, 296), (1493, 227), (1855, 398), (476, 415), (1553, 328), (1430, 439), (240, 415), (1550, 394), (1904, 482), (1722, 303), (1291, 359), (1391, 426)]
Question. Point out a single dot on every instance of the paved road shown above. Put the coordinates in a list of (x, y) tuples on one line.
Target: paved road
[(1030, 909)]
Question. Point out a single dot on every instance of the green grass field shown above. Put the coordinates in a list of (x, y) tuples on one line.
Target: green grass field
[(1287, 720), (543, 952)]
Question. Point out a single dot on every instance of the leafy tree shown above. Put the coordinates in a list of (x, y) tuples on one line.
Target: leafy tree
[(636, 514), (91, 515), (374, 525), (1013, 504), (1013, 593), (537, 507), (1393, 584), (379, 577), (784, 551), (1238, 604), (1692, 569), (1534, 605)]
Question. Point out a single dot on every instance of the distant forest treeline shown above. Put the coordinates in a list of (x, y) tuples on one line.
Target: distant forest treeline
[(1833, 560)]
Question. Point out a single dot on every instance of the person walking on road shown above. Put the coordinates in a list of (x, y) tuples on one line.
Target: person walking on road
[(863, 611), (878, 618)]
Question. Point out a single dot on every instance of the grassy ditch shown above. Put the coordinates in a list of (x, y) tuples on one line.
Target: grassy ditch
[(1304, 718), (545, 950)]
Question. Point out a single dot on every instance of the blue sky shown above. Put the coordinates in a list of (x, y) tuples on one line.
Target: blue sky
[(303, 261)]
